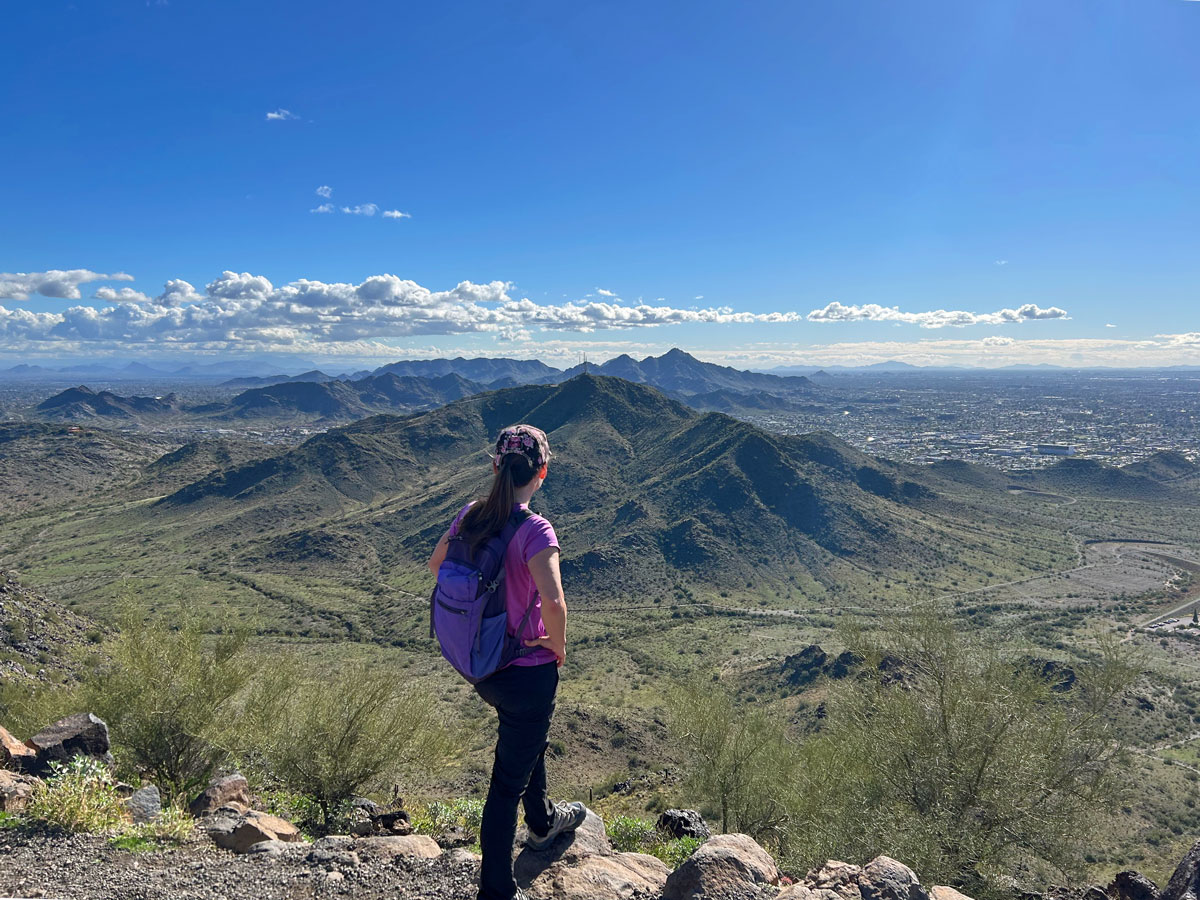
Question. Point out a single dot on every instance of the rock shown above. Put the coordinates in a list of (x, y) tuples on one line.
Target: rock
[(941, 892), (332, 859), (420, 846), (1185, 882), (883, 878), (590, 839), (14, 754), (615, 876), (1094, 892), (804, 892), (221, 791), (839, 877), (15, 790), (370, 807), (454, 837), (144, 805), (82, 734), (360, 823), (252, 828), (335, 842), (805, 667), (679, 823), (723, 867), (274, 849), (1130, 886), (394, 821), (464, 857), (334, 876)]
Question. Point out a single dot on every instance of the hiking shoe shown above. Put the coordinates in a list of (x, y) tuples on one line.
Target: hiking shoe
[(567, 817)]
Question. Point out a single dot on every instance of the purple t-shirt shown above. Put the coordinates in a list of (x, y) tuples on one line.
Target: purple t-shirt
[(534, 536)]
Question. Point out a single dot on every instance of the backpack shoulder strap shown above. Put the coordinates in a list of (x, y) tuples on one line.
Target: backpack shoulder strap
[(491, 566)]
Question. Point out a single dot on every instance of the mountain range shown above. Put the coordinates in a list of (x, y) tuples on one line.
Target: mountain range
[(649, 494), (414, 385)]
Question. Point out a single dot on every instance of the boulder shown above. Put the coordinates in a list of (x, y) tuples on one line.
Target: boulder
[(388, 846), (802, 891), (1130, 886), (144, 805), (590, 839), (14, 754), (82, 734), (330, 859), (220, 792), (839, 877), (1185, 882), (455, 836), (941, 892), (724, 866), (15, 790), (239, 835), (614, 876), (274, 849), (464, 857), (883, 878), (679, 823)]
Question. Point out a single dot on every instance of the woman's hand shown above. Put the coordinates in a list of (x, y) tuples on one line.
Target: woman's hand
[(559, 648)]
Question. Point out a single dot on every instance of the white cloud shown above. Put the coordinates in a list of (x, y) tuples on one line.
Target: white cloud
[(698, 297), (281, 115), (325, 191), (603, 293), (247, 312), (396, 214), (997, 341), (1109, 325), (938, 318), (323, 208), (57, 283), (362, 209), (124, 295), (1001, 262)]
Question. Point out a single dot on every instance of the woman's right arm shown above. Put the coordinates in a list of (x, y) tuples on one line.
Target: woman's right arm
[(439, 553)]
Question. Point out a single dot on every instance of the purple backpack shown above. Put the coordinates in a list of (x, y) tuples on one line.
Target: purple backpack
[(467, 609)]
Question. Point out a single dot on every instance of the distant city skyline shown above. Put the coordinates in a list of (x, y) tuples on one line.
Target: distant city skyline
[(933, 182)]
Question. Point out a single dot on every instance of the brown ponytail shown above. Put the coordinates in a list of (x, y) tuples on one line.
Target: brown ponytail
[(487, 518)]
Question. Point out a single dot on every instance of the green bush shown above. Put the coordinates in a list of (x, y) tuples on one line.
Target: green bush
[(738, 758), (630, 835), (333, 737), (438, 816), (165, 693), (79, 796)]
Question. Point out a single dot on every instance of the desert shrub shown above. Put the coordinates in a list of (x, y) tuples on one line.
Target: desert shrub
[(959, 760), (675, 851), (438, 816), (335, 736), (630, 835), (165, 693), (27, 706), (78, 796), (737, 758)]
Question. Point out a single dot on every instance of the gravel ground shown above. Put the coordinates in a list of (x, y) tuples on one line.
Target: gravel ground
[(84, 867)]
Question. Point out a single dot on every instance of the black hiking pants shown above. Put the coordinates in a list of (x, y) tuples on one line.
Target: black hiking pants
[(524, 699)]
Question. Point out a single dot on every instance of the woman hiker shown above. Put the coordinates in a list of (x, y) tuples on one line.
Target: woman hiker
[(522, 692)]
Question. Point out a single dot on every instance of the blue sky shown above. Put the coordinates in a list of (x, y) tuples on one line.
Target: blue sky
[(758, 182)]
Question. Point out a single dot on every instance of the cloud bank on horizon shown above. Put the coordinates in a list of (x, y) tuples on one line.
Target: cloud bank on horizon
[(247, 313)]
